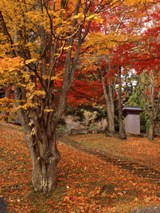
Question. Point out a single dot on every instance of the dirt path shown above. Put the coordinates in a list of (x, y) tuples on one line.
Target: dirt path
[(149, 174)]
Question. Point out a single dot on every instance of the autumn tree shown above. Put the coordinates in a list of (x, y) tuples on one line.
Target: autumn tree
[(40, 43), (108, 49), (147, 64), (150, 96), (118, 46), (107, 83)]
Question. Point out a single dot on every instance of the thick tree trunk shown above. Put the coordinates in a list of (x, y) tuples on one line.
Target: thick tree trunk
[(40, 135), (45, 157), (44, 174)]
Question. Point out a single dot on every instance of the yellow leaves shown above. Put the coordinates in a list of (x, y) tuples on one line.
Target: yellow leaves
[(5, 100), (32, 97), (30, 61), (10, 64), (35, 93), (48, 110), (12, 12), (94, 17), (25, 106), (54, 78), (9, 68), (134, 2), (57, 76), (34, 16), (39, 93), (68, 47), (33, 132), (113, 37), (102, 42), (91, 17), (79, 16), (4, 46)]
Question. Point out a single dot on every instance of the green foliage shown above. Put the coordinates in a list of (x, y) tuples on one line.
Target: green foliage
[(137, 100)]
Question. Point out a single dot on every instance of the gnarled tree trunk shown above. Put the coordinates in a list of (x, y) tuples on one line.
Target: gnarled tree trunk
[(41, 142), (44, 174)]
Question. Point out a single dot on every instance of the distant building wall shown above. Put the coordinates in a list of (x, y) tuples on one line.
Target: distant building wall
[(132, 124)]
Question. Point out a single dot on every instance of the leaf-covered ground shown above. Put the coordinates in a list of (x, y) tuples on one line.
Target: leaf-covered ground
[(135, 149), (85, 183)]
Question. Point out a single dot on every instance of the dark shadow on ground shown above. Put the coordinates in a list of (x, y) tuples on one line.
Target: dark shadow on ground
[(3, 206)]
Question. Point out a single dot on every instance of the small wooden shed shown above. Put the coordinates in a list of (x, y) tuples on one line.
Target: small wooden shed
[(132, 119)]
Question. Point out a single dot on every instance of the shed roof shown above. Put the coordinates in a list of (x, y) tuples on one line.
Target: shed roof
[(131, 110)]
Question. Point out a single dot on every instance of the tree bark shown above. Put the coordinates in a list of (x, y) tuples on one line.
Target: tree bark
[(44, 174), (108, 94), (42, 146), (153, 108), (151, 130), (122, 132)]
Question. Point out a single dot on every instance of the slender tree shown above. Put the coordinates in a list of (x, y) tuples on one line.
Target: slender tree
[(122, 132)]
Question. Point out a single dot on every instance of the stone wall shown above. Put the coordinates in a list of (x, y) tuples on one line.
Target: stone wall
[(87, 124)]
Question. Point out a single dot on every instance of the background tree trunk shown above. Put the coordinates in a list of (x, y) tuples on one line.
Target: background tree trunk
[(108, 94), (122, 132), (151, 129), (152, 108)]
